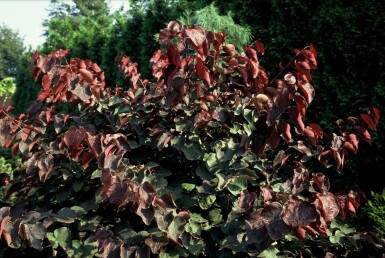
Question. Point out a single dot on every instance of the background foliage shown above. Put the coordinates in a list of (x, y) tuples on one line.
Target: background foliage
[(11, 49), (7, 89)]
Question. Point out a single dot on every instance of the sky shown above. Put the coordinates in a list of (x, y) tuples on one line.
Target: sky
[(26, 17)]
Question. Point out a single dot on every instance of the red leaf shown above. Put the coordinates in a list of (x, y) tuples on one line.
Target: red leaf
[(251, 53), (168, 201), (96, 68), (351, 208), (244, 74), (174, 26), (134, 80), (196, 34), (81, 64), (337, 142), (268, 193), (339, 160), (277, 229), (173, 55), (87, 75), (349, 146), (74, 136), (329, 206), (15, 148), (169, 74), (202, 70), (48, 115), (363, 133), (4, 215), (156, 244), (284, 129), (312, 50), (368, 120), (173, 98), (258, 144), (200, 51), (35, 73), (7, 237), (262, 76), (87, 158), (45, 166), (260, 47), (303, 74), (316, 129), (308, 133), (321, 182), (118, 191), (40, 61), (301, 104), (300, 233), (354, 198), (271, 212), (280, 159), (273, 139), (376, 113), (46, 82), (280, 105), (299, 214), (246, 200), (303, 64), (254, 66), (172, 30), (44, 95), (294, 114), (307, 90), (25, 134), (311, 57), (352, 138)]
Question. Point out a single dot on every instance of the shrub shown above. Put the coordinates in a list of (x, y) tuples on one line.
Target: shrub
[(376, 211), (211, 158), (7, 89)]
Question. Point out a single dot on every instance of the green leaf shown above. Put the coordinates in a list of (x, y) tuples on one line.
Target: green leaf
[(96, 174), (63, 238), (63, 195), (237, 185), (176, 228), (205, 203), (66, 215), (192, 151), (90, 224), (77, 186), (193, 227), (197, 218), (203, 173), (215, 215), (221, 181), (123, 109), (211, 199), (271, 252), (196, 246), (36, 235), (51, 237), (181, 126), (337, 238), (236, 129), (187, 186)]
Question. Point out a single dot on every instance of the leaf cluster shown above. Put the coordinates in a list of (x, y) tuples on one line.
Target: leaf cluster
[(211, 158)]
